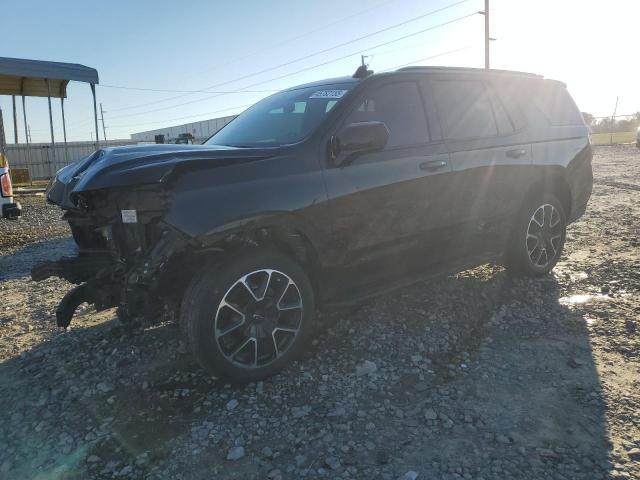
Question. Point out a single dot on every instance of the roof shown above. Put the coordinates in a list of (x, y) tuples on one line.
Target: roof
[(467, 70), (422, 69), (27, 77)]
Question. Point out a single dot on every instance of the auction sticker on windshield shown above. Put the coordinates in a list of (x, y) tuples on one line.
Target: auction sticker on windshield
[(328, 94)]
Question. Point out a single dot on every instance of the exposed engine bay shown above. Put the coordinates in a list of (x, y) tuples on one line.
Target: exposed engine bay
[(116, 202), (122, 249)]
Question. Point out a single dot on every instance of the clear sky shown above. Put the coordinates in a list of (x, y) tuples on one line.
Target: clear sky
[(222, 46)]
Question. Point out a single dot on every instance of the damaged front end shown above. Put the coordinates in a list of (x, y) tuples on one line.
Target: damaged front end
[(124, 251), (121, 205)]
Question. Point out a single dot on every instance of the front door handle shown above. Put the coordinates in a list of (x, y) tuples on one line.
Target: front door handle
[(433, 165), (517, 153)]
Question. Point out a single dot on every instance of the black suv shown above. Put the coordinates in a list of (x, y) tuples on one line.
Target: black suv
[(321, 196)]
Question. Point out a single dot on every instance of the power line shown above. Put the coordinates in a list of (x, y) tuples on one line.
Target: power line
[(343, 44), (287, 75), (428, 58), (394, 50), (182, 118), (302, 35), (182, 91), (278, 44), (419, 17), (248, 105), (306, 68)]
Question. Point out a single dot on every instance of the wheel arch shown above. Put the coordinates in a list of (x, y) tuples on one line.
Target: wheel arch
[(286, 233), (556, 184)]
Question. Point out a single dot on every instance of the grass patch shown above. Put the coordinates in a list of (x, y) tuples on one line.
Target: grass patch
[(613, 138)]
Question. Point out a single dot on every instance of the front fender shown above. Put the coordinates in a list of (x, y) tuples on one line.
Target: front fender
[(208, 204), (282, 221)]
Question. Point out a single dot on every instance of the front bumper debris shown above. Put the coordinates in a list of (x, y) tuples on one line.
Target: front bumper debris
[(135, 284), (73, 269), (70, 302)]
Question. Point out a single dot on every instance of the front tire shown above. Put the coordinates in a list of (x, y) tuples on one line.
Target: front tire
[(538, 236), (248, 317)]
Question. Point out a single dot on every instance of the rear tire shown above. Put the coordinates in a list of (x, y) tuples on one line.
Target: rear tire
[(537, 239), (247, 317)]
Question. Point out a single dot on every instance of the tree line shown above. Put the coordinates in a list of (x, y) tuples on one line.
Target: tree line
[(626, 123)]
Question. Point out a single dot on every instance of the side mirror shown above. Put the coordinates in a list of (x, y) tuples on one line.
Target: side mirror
[(358, 138)]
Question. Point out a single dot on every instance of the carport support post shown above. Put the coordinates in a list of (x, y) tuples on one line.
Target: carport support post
[(64, 129), (24, 117), (53, 142), (15, 119), (26, 133), (95, 113)]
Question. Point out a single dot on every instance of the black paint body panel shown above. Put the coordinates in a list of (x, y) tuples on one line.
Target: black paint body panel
[(374, 222)]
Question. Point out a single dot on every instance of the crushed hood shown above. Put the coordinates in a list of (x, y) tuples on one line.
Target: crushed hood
[(141, 165)]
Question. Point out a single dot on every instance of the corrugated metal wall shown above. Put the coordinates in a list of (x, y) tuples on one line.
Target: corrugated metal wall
[(39, 158), (200, 130)]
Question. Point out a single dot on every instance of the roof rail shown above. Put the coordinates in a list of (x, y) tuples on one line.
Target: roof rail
[(468, 70)]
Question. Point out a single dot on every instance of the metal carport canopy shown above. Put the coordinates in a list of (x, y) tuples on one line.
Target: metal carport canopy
[(28, 77), (38, 78)]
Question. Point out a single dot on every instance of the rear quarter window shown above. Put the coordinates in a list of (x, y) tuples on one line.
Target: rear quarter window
[(555, 103)]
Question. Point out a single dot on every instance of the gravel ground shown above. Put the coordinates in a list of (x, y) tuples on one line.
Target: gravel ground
[(39, 222), (478, 376)]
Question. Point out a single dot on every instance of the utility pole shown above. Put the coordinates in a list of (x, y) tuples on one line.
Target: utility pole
[(487, 39), (104, 129), (613, 121)]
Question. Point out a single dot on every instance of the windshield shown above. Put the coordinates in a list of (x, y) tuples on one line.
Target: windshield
[(284, 118)]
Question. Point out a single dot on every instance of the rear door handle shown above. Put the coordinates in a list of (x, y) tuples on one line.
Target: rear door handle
[(518, 152), (433, 165)]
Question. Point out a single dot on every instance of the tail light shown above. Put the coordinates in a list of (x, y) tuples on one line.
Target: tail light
[(6, 190)]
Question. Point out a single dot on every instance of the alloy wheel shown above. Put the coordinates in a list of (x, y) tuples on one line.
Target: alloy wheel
[(259, 318), (544, 235)]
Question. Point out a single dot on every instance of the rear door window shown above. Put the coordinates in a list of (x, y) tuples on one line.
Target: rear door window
[(517, 115), (399, 106), (505, 126), (512, 94), (464, 109)]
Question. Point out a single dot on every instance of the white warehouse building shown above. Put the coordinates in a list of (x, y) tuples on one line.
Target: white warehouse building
[(200, 130)]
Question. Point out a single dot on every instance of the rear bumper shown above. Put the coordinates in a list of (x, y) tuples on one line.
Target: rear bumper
[(11, 211), (580, 179), (577, 211)]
